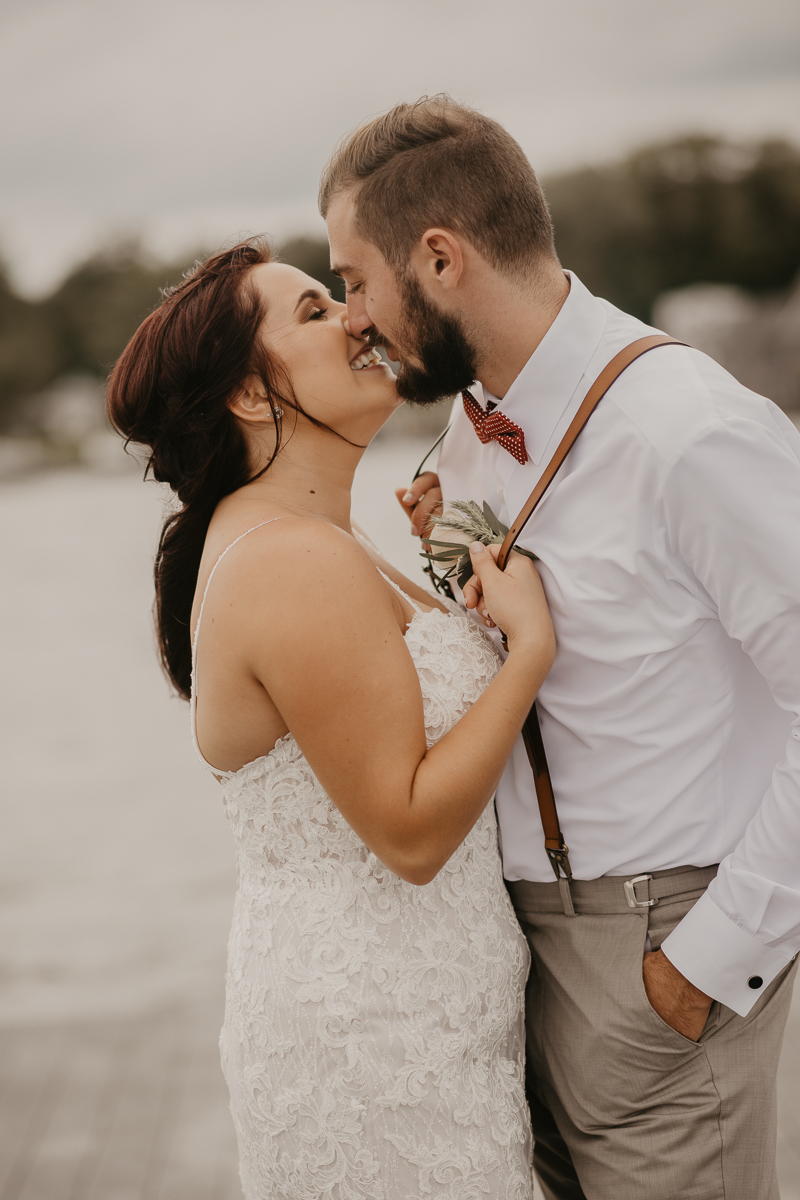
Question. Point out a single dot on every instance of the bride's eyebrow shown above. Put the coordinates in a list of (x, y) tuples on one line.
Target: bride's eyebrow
[(312, 294)]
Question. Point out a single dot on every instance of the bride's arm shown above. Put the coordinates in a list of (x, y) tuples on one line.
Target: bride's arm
[(320, 631)]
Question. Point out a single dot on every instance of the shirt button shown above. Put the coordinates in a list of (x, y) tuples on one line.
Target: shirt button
[(755, 982)]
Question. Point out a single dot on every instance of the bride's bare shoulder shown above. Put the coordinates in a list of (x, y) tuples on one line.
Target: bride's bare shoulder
[(298, 560)]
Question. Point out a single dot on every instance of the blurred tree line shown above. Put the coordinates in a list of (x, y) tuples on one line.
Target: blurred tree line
[(697, 209), (693, 210), (84, 325)]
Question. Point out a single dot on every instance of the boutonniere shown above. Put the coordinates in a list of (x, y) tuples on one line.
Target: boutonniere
[(462, 523)]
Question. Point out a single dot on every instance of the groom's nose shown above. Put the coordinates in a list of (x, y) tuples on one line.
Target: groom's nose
[(358, 318)]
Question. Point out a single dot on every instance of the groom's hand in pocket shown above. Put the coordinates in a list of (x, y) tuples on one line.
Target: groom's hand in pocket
[(678, 1002), (420, 500)]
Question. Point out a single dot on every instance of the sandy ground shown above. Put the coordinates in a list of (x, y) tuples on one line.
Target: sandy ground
[(116, 866)]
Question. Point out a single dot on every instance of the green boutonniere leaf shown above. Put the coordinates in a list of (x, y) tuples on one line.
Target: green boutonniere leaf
[(473, 524), (494, 522)]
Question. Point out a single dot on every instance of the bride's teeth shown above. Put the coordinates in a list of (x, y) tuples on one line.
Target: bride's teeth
[(365, 360)]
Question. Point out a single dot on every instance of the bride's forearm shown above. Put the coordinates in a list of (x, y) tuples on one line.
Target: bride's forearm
[(459, 774)]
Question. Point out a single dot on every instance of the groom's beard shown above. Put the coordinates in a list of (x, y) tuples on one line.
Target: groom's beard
[(448, 359)]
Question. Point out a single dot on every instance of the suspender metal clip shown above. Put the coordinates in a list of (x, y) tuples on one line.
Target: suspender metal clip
[(559, 861)]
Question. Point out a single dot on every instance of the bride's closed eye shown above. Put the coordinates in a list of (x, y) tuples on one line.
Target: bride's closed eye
[(316, 314)]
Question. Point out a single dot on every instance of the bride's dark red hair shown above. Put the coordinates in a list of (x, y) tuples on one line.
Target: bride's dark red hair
[(170, 392)]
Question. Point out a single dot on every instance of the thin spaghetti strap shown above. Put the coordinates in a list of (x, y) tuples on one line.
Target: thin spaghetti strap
[(416, 607), (193, 696), (362, 537)]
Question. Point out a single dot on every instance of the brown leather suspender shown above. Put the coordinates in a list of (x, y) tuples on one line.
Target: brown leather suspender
[(557, 851)]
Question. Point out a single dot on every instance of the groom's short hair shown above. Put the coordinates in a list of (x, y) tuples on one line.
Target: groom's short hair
[(438, 162)]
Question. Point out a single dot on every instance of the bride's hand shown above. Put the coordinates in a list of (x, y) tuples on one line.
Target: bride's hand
[(420, 500), (514, 599)]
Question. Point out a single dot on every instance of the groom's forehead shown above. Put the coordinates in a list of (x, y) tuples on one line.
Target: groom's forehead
[(349, 252), (349, 260), (353, 255)]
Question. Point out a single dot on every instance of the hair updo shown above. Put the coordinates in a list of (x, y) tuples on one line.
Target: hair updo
[(170, 392)]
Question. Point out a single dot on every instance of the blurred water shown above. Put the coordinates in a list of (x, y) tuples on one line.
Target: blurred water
[(115, 861)]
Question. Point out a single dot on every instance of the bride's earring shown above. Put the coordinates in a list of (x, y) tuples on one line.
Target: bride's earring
[(278, 413)]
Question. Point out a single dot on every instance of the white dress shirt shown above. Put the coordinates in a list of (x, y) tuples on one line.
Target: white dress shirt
[(669, 547)]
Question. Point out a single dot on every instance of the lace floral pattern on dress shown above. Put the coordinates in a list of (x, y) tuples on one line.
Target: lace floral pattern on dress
[(374, 1041)]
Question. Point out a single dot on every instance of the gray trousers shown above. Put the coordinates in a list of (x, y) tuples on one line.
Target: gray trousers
[(622, 1106)]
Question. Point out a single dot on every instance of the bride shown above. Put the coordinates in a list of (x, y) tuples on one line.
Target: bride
[(373, 1040)]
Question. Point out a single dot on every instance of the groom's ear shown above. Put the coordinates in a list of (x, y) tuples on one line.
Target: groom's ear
[(440, 258)]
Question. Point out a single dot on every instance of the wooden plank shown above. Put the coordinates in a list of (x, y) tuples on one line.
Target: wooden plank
[(139, 1113), (201, 1163), (32, 1061), (71, 1137)]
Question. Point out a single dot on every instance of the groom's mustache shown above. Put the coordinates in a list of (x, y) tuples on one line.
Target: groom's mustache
[(379, 342), (376, 339)]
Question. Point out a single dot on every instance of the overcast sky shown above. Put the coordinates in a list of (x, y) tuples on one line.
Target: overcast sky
[(187, 121)]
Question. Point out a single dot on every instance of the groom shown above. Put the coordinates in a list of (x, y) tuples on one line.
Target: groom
[(669, 548)]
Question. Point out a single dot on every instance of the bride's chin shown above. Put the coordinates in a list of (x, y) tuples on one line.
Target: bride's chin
[(383, 391), (385, 409)]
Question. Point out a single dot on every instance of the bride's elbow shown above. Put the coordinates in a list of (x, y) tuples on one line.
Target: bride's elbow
[(420, 877), (419, 866), (414, 849)]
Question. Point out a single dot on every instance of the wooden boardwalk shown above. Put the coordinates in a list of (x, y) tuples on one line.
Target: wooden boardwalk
[(136, 1109), (131, 1109)]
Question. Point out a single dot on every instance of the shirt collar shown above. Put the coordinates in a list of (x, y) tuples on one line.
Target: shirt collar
[(544, 387)]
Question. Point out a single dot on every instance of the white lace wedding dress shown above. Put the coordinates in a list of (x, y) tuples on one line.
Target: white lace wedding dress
[(373, 1040)]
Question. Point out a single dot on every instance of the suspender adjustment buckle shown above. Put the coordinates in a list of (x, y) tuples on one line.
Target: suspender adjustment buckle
[(630, 892)]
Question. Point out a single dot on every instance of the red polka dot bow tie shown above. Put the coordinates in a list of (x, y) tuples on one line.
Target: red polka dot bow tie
[(494, 426)]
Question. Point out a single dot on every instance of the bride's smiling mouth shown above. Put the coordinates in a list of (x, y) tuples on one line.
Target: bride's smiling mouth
[(366, 360)]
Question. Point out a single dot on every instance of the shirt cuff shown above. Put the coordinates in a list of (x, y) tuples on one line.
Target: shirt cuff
[(717, 956)]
